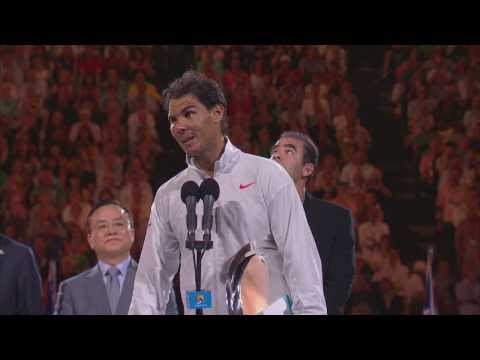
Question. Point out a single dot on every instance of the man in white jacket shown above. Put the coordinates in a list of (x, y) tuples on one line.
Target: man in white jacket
[(258, 205)]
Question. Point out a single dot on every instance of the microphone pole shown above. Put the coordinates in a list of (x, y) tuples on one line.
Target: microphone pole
[(209, 191), (190, 195)]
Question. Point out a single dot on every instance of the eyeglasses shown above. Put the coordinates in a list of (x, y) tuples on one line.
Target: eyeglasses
[(118, 226)]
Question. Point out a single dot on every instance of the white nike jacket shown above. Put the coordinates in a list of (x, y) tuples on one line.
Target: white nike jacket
[(258, 204)]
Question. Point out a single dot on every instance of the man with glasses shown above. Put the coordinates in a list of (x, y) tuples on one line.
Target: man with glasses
[(105, 289)]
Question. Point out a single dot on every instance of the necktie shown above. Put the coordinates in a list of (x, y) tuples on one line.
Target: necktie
[(113, 288)]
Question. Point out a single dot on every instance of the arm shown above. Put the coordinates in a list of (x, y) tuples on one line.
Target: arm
[(158, 265), (64, 304), (29, 286), (338, 282), (302, 267)]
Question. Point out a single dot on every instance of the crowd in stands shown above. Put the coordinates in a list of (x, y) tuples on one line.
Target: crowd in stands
[(79, 124), (436, 97)]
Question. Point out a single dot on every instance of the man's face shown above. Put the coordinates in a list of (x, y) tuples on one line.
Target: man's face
[(288, 152), (111, 233), (193, 126)]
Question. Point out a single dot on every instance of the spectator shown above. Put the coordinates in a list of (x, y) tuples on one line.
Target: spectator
[(472, 116), (117, 59), (139, 86), (142, 117), (46, 182), (8, 104), (65, 62), (76, 210), (467, 235), (41, 75), (137, 195), (109, 163), (89, 92), (140, 61), (41, 212), (90, 64), (468, 290), (86, 124), (234, 75), (113, 88), (357, 164), (371, 232), (445, 289)]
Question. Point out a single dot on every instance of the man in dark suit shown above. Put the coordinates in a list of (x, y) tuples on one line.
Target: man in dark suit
[(331, 225), (106, 288), (20, 282)]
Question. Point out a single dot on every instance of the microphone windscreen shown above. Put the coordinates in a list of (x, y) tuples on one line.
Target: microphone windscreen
[(190, 188), (209, 187)]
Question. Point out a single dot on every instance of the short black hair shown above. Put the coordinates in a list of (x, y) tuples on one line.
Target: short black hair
[(197, 84), (106, 203), (310, 150)]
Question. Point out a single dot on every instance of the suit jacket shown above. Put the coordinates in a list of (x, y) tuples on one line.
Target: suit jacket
[(86, 294), (332, 228), (20, 282)]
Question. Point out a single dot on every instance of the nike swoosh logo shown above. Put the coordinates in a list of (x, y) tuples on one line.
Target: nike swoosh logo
[(242, 186)]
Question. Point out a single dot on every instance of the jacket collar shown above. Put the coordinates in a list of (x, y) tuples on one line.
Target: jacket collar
[(226, 161)]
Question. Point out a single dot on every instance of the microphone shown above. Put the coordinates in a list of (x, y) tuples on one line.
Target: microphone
[(189, 194), (208, 192)]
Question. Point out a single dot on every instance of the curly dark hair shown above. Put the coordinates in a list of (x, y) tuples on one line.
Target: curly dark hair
[(197, 84)]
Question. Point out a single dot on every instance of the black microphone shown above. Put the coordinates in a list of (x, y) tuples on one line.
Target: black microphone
[(189, 195), (208, 192)]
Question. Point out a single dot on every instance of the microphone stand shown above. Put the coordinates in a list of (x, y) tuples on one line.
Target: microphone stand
[(200, 247)]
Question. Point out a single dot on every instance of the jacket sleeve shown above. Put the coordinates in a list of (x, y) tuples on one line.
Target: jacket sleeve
[(158, 265), (338, 284), (302, 267), (29, 286), (64, 304)]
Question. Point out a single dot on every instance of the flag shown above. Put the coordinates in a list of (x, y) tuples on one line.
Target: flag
[(51, 286), (429, 308)]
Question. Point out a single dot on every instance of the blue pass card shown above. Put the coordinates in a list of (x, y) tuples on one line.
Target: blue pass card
[(199, 299)]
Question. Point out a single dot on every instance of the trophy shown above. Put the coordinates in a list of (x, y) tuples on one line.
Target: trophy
[(248, 286)]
